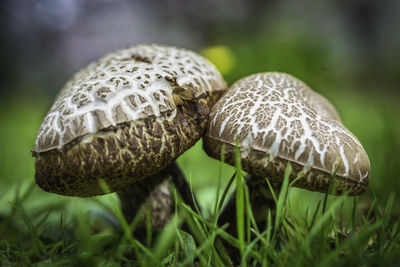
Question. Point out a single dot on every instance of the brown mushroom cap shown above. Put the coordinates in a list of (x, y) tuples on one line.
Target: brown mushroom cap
[(124, 117), (278, 119)]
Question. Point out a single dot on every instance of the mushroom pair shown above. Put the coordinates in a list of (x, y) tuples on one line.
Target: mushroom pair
[(125, 119), (277, 119)]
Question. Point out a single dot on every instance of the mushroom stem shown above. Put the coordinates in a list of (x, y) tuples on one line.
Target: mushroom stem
[(261, 201), (153, 197)]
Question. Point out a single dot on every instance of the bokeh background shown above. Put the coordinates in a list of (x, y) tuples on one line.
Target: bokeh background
[(347, 50)]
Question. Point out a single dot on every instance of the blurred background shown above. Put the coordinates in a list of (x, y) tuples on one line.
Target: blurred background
[(347, 50)]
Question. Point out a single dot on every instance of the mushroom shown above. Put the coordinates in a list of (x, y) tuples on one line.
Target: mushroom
[(277, 119), (126, 118)]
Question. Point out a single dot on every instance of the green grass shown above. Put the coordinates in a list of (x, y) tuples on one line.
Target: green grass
[(309, 228), (332, 236)]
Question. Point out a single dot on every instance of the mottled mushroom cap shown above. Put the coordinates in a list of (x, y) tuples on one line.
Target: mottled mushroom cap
[(124, 117), (278, 119)]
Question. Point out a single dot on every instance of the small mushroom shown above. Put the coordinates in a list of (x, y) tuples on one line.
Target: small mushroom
[(277, 120), (123, 118)]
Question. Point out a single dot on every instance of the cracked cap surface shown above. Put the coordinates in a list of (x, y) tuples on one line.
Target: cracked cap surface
[(278, 119), (124, 117)]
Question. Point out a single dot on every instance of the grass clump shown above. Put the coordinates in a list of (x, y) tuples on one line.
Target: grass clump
[(328, 233)]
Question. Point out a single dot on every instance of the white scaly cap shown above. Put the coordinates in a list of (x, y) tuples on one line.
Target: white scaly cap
[(278, 119)]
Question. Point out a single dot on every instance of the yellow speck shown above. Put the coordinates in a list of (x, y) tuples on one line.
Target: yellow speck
[(222, 57)]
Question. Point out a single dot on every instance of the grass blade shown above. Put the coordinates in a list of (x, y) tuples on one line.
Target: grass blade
[(239, 200), (282, 197)]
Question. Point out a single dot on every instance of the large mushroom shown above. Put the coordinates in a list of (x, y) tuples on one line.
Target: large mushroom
[(277, 119), (126, 118)]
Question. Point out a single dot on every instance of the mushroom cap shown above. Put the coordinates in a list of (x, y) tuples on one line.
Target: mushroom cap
[(277, 119), (124, 117)]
